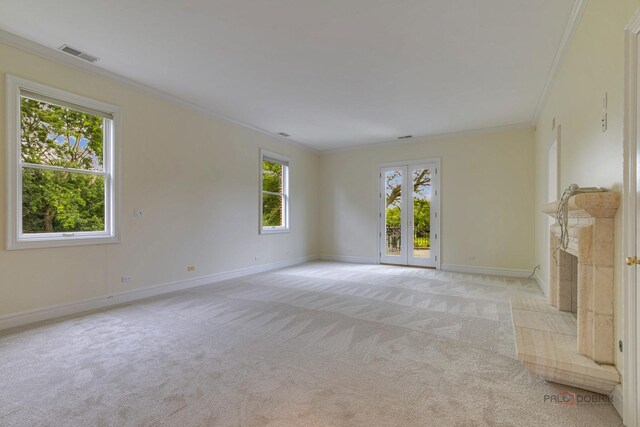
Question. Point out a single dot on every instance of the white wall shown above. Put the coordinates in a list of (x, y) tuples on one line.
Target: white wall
[(487, 184), (196, 177), (593, 65)]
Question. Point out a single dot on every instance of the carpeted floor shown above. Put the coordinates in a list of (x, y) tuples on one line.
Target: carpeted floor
[(321, 344)]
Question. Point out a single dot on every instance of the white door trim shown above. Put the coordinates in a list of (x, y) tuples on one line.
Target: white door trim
[(558, 192), (436, 201), (629, 218)]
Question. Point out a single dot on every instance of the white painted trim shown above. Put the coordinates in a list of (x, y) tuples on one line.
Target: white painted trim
[(575, 17), (558, 141), (54, 55), (286, 175), (59, 57), (436, 207), (507, 272), (53, 312), (617, 399), (629, 218), (349, 259), (541, 284), (410, 163), (15, 238), (433, 137)]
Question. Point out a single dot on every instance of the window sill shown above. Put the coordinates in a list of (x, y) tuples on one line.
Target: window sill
[(55, 242), (274, 230)]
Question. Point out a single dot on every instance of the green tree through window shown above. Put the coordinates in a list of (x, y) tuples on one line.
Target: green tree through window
[(68, 194), (272, 189), (274, 214)]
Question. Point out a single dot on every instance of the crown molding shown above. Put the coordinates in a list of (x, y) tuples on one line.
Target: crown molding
[(54, 55), (575, 17), (434, 137)]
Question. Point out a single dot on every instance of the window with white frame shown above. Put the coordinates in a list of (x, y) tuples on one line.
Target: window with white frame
[(61, 168), (274, 193)]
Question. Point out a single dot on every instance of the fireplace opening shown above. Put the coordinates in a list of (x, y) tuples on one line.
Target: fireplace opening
[(568, 272)]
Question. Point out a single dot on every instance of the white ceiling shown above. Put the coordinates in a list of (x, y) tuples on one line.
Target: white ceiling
[(331, 73)]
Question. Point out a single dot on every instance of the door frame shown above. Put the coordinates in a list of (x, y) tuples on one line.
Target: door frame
[(436, 201), (629, 224), (557, 136)]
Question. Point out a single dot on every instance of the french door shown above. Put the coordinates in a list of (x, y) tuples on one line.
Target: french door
[(409, 214)]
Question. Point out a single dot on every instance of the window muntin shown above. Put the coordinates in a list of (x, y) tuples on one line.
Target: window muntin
[(274, 200), (63, 174)]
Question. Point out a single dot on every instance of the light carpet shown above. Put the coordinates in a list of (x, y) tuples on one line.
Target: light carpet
[(320, 344)]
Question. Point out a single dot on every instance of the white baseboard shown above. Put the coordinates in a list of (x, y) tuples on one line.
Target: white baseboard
[(446, 267), (508, 272), (349, 259), (617, 398), (541, 284), (38, 315)]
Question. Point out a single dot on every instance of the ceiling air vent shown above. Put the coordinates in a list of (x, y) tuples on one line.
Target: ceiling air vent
[(405, 137), (78, 53), (286, 135)]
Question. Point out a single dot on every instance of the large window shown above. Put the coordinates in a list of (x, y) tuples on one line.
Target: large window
[(274, 194), (61, 150)]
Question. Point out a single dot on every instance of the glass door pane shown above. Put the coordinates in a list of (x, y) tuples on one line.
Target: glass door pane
[(393, 232), (423, 208), (409, 204), (393, 212), (422, 213)]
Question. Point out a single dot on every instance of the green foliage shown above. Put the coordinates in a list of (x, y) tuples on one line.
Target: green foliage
[(421, 207), (422, 216), (271, 210), (61, 201), (272, 203), (394, 216)]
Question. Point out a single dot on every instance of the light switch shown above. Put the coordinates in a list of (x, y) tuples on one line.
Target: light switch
[(137, 213)]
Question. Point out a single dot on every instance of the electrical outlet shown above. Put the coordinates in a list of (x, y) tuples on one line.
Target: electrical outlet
[(191, 268), (126, 279)]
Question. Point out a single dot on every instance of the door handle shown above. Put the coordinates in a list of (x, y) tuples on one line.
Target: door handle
[(631, 260)]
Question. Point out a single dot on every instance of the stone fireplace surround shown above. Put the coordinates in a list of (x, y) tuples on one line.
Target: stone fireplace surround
[(552, 342)]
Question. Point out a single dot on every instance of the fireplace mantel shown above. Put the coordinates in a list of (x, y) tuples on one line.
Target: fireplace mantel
[(588, 205), (575, 350)]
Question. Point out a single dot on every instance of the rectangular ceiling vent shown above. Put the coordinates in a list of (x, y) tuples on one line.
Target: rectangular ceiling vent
[(405, 137), (78, 53), (286, 135)]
